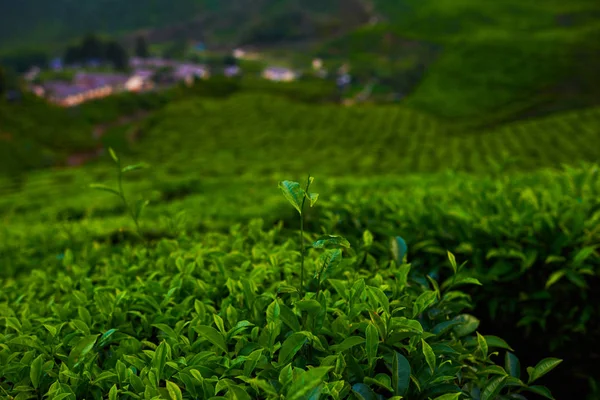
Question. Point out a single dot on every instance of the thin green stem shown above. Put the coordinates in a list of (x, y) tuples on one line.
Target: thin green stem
[(129, 208), (302, 239)]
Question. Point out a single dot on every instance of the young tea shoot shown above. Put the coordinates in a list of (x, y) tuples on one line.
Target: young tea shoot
[(134, 209)]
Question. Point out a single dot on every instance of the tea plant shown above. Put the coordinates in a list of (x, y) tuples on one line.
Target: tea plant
[(135, 209), (297, 196)]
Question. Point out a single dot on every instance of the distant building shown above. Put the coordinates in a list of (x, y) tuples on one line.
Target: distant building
[(189, 72), (140, 80), (231, 70), (279, 74), (32, 74), (317, 64), (84, 87), (239, 53), (343, 81)]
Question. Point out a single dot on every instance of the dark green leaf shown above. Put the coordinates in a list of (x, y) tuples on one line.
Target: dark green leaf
[(372, 345), (512, 365), (213, 336), (35, 373), (363, 392), (541, 390), (84, 346), (348, 343), (306, 382), (493, 388), (400, 374), (331, 242), (469, 324), (290, 347), (399, 249), (429, 355)]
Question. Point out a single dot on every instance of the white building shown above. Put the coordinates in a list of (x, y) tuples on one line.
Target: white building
[(279, 74)]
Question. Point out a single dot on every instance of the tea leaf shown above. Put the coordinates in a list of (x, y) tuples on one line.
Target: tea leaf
[(367, 239), (452, 262), (84, 346), (348, 343), (542, 368), (541, 390), (134, 167), (448, 396), (512, 365), (35, 373), (160, 358), (493, 388), (424, 300), (306, 382), (363, 392), (290, 347), (372, 345), (399, 249), (469, 324), (429, 355), (400, 374), (212, 335), (312, 198), (293, 193), (113, 155), (105, 188), (273, 311), (483, 345), (174, 391), (330, 242), (450, 283), (381, 297)]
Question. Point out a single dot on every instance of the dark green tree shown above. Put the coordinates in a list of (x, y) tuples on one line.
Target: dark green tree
[(73, 54), (141, 47), (117, 55), (92, 48)]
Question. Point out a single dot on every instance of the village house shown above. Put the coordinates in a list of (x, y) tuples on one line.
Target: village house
[(84, 87), (189, 72), (32, 74), (231, 70), (279, 74), (140, 80)]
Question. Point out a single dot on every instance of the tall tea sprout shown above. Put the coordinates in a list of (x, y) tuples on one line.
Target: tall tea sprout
[(297, 197), (134, 209)]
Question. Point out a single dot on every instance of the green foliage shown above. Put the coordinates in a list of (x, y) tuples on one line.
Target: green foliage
[(210, 315)]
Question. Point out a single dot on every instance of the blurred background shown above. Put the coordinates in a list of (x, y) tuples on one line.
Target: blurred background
[(463, 124)]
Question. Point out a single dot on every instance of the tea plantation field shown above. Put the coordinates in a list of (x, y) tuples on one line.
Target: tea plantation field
[(436, 261)]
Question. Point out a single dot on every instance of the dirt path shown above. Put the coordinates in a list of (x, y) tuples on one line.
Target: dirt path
[(80, 158)]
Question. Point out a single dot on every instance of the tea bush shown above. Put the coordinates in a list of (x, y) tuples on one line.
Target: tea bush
[(226, 315)]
